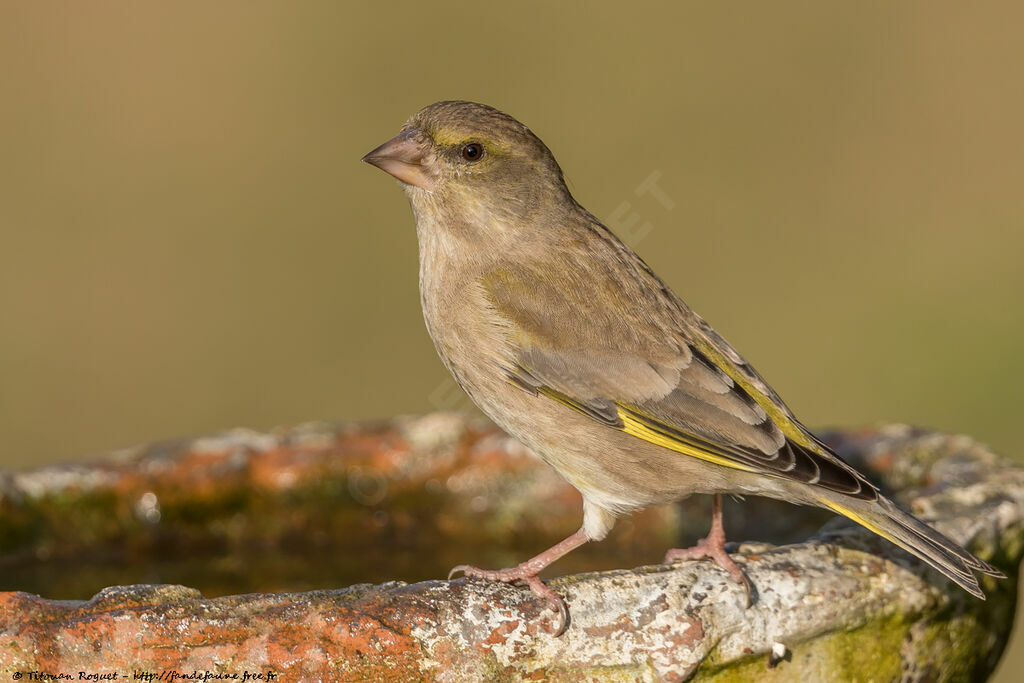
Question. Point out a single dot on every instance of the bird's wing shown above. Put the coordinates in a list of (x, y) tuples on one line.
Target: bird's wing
[(665, 379)]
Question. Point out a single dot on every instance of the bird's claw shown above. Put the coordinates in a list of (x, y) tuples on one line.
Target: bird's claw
[(707, 548), (518, 574)]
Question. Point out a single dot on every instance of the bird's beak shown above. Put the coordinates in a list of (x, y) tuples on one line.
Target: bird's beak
[(404, 156)]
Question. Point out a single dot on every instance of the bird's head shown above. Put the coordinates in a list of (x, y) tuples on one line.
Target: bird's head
[(471, 159)]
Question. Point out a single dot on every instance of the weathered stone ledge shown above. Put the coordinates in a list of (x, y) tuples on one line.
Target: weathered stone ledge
[(842, 605)]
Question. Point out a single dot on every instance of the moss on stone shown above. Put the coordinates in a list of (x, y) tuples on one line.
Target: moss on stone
[(868, 653)]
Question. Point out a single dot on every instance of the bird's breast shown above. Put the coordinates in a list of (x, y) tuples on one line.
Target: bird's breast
[(472, 344)]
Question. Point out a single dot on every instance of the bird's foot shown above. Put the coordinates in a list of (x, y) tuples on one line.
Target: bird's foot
[(527, 573), (521, 574), (713, 547), (708, 548)]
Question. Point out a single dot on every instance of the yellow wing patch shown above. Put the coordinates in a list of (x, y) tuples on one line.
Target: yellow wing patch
[(636, 428), (632, 422)]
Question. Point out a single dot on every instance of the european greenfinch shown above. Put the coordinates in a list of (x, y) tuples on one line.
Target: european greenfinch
[(565, 338)]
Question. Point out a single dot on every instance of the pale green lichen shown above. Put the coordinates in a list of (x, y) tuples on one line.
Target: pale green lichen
[(869, 653)]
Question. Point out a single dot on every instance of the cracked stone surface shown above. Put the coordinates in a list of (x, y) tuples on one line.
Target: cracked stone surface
[(836, 604)]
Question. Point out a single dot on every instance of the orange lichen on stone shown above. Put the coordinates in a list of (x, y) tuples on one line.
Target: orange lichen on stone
[(166, 627)]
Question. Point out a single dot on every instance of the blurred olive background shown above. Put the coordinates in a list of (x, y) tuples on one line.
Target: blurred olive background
[(188, 241)]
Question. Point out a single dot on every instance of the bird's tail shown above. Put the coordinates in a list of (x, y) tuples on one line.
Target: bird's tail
[(888, 521)]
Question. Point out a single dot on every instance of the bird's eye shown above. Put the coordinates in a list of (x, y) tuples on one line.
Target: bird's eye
[(473, 151)]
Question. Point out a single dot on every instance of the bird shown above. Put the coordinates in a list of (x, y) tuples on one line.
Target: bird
[(568, 341)]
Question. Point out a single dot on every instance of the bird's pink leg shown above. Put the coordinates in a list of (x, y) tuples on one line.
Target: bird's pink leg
[(527, 573), (713, 547)]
